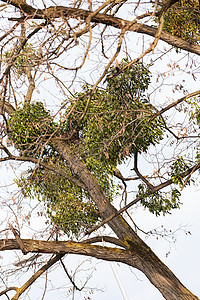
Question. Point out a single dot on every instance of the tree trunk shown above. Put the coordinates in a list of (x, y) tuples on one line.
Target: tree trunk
[(156, 271)]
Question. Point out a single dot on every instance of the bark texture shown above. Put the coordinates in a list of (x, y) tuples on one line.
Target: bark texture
[(144, 258), (141, 258)]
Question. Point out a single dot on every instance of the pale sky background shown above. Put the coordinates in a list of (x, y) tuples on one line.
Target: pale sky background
[(183, 255)]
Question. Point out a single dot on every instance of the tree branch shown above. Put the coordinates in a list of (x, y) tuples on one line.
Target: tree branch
[(102, 239), (50, 263), (31, 85), (68, 247), (137, 199), (19, 240), (69, 276), (12, 288), (139, 174), (160, 112), (61, 11)]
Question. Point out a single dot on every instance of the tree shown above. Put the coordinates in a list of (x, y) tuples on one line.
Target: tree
[(72, 151)]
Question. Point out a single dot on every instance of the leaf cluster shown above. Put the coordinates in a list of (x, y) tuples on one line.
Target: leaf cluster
[(68, 206), (29, 128), (194, 112), (159, 202), (182, 20), (116, 124), (179, 171)]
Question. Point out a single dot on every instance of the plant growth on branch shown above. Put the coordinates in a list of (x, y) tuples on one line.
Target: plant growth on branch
[(91, 134)]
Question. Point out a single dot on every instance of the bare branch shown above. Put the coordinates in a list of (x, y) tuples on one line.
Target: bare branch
[(137, 199), (12, 288), (139, 174), (70, 277), (60, 11), (33, 278), (175, 103)]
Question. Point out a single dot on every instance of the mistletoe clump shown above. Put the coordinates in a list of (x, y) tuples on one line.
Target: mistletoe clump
[(118, 121), (182, 19), (179, 171), (68, 206), (29, 127), (159, 202)]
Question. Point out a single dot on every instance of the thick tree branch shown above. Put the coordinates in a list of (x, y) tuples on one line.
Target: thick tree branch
[(67, 247), (139, 256), (68, 12), (137, 199), (102, 239)]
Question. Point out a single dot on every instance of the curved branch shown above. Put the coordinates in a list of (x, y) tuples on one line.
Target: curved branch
[(12, 288), (102, 239), (139, 174), (33, 278), (69, 247), (137, 199), (61, 11)]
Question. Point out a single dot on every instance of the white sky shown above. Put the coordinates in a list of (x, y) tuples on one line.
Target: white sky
[(183, 258)]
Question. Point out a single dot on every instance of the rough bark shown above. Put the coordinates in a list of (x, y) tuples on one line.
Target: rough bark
[(142, 259), (5, 107), (155, 270)]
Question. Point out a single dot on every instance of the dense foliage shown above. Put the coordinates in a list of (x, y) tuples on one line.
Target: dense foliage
[(30, 127), (117, 123), (182, 19), (68, 206)]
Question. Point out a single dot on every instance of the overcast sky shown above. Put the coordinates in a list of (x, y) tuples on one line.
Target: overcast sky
[(181, 253)]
